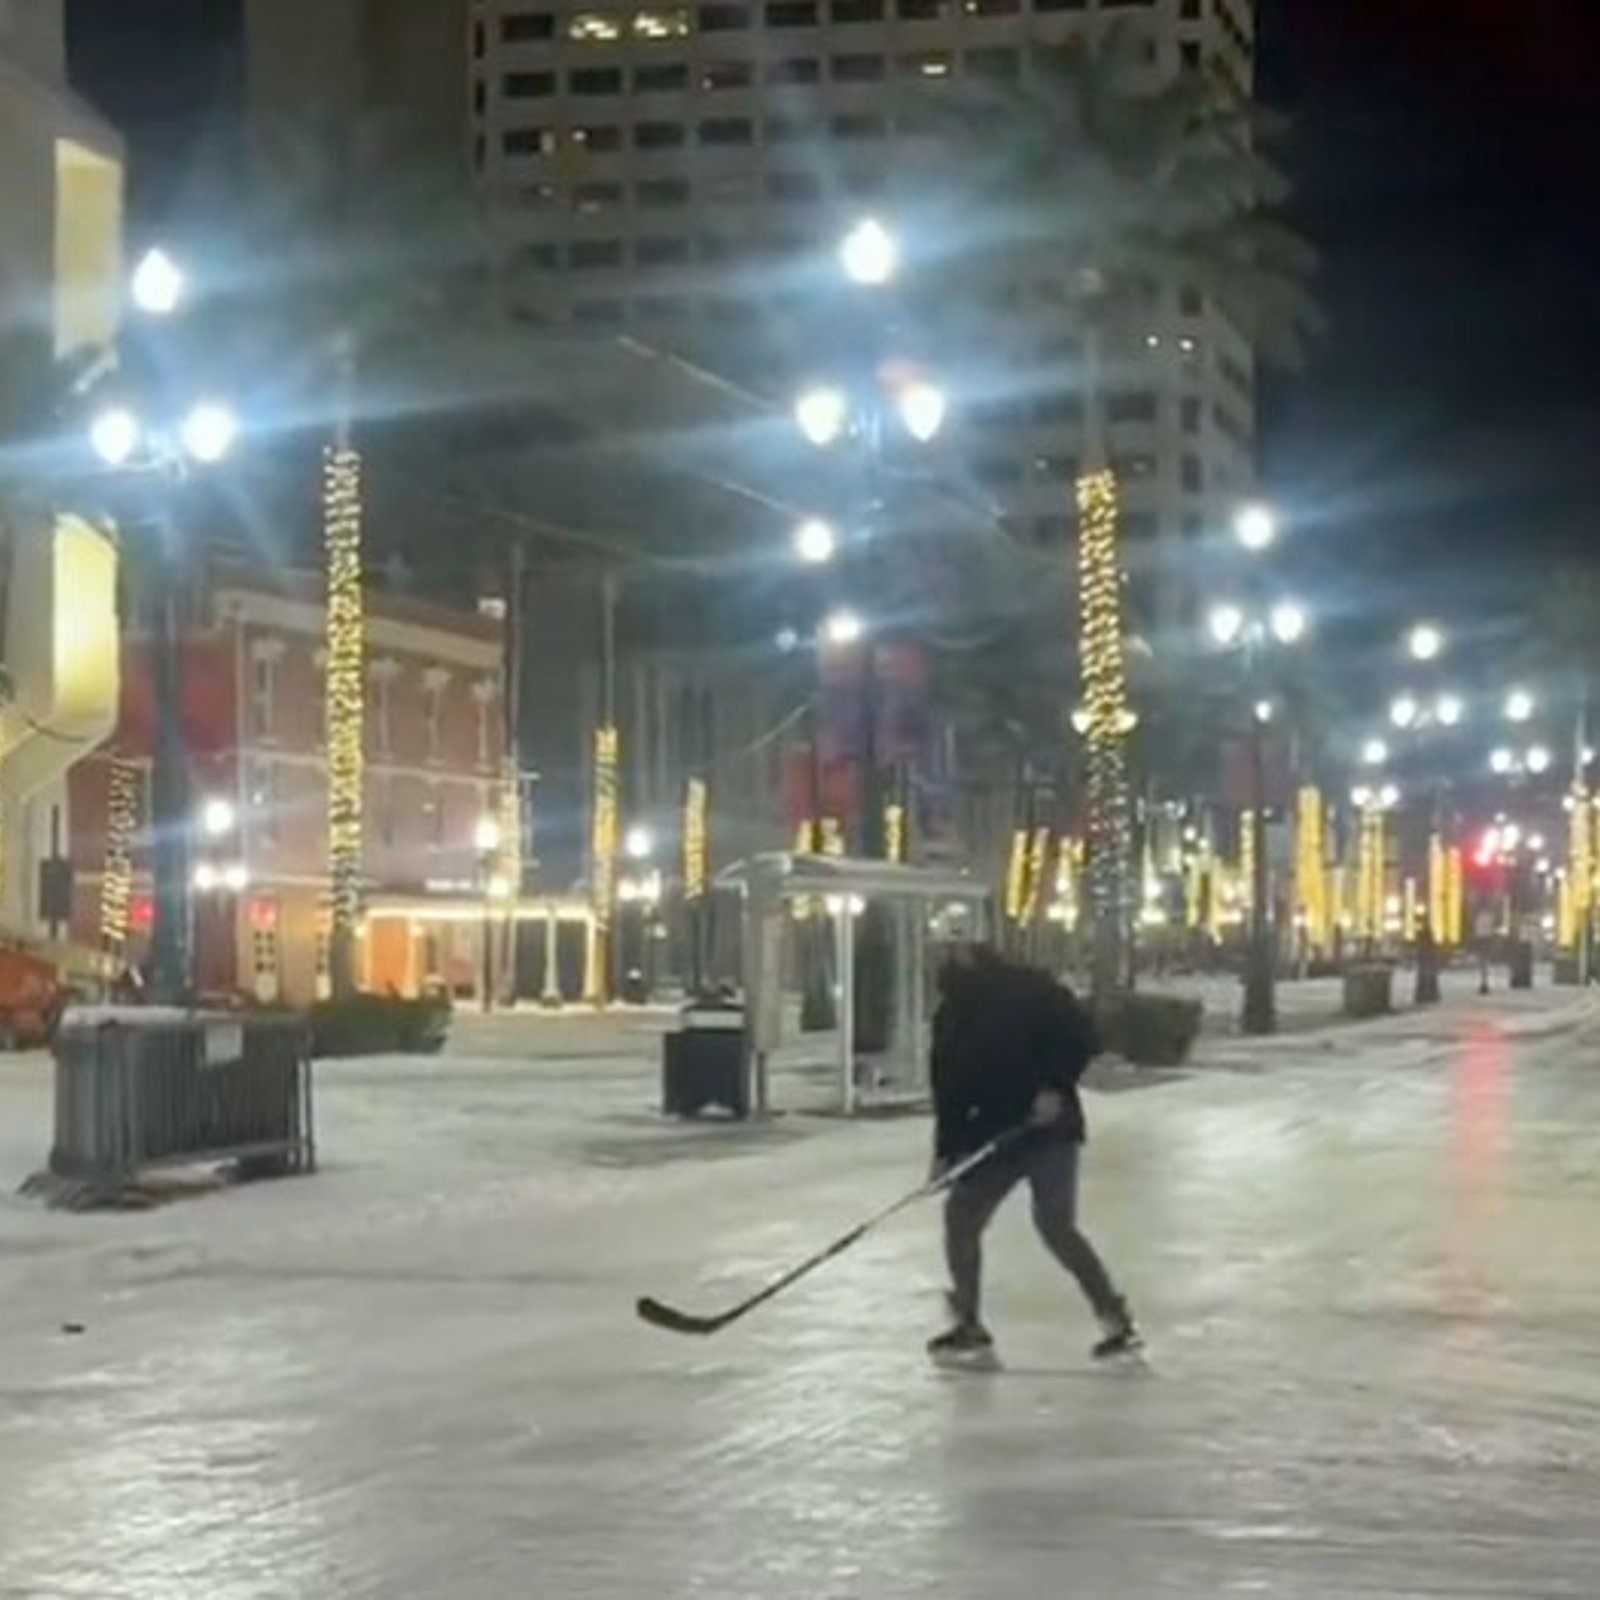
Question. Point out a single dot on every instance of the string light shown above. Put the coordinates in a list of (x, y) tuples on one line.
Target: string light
[(695, 802), (346, 705), (1454, 896), (122, 823), (1107, 715), (1037, 870), (894, 831), (603, 841), (1017, 875), (1311, 868)]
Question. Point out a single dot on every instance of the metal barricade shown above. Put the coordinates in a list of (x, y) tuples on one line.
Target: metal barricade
[(137, 1089)]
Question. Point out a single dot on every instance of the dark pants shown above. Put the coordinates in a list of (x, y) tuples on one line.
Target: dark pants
[(1051, 1171)]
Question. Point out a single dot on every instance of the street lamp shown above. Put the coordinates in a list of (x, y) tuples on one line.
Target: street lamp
[(208, 431), (1288, 622), (922, 409), (1450, 710), (1226, 623), (1374, 752), (815, 542), (157, 284), (1425, 642), (1539, 759), (822, 412), (639, 844), (843, 627), (486, 835), (115, 435), (218, 817), (1255, 527), (869, 253), (1519, 706), (1404, 711)]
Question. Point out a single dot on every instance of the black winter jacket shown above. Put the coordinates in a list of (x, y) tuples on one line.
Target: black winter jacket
[(1001, 1034)]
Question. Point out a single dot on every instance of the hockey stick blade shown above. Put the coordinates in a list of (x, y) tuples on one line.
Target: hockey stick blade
[(673, 1320)]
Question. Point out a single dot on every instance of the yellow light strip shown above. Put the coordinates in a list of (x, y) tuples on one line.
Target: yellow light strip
[(122, 823), (695, 805), (344, 686)]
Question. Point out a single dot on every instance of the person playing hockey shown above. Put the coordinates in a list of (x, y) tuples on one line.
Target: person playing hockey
[(1009, 1045)]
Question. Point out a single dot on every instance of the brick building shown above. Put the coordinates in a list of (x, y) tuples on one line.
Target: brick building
[(253, 720)]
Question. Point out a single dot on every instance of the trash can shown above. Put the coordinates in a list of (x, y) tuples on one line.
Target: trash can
[(1369, 990), (702, 1061)]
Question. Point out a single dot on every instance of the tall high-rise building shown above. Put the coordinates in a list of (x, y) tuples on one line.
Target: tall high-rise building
[(681, 170)]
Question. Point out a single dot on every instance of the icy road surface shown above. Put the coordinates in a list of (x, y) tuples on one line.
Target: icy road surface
[(1369, 1265)]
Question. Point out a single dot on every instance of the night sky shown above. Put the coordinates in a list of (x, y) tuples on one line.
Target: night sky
[(1445, 438)]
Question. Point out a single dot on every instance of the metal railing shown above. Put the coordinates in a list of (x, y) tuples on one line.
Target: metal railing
[(142, 1088)]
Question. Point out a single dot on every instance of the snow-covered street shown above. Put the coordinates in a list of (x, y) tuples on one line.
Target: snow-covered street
[(1366, 1261)]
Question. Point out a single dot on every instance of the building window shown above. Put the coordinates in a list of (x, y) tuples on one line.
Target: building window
[(727, 131), (528, 142), (1189, 411), (855, 11), (858, 69), (794, 186), (594, 27), (591, 197), (1060, 5), (383, 788), (661, 252), (528, 28), (1189, 55), (1055, 410), (598, 140), (1132, 406), (433, 817), (658, 135), (673, 24), (992, 8), (265, 814), (995, 66), (596, 80), (792, 14), (920, 10), (1133, 466), (263, 695), (596, 253), (662, 193), (380, 729), (1061, 468), (433, 690), (790, 130), (1194, 475), (926, 64), (538, 258), (1190, 11), (528, 85), (662, 78), (724, 19), (798, 69), (859, 125), (727, 75)]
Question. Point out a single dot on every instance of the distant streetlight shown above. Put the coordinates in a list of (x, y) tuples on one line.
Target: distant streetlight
[(114, 435), (1374, 752), (1255, 527), (1539, 760), (815, 542), (218, 817), (1519, 706), (869, 253), (1403, 711), (1226, 623), (1501, 761), (922, 409), (1425, 642), (843, 627), (486, 835), (822, 412), (1288, 622), (208, 431), (157, 284), (1263, 711), (1450, 710), (639, 844)]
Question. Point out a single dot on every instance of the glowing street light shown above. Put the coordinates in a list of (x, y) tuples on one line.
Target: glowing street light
[(1425, 642), (157, 284), (869, 253), (1450, 710), (843, 627), (486, 835), (1501, 761), (1263, 711), (822, 413), (218, 817), (1374, 752), (1403, 711), (922, 409), (1255, 527), (1539, 760), (207, 433), (1226, 623), (815, 542), (639, 844), (114, 435), (1519, 706), (1288, 622)]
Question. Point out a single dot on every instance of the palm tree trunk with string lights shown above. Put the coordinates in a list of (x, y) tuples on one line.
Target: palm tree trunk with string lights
[(344, 685)]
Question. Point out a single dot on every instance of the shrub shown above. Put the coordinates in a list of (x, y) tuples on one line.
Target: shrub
[(380, 1024), (1150, 1030)]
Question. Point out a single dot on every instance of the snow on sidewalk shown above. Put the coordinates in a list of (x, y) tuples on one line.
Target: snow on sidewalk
[(1368, 1277)]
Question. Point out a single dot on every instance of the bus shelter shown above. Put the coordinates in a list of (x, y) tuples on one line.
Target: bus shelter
[(920, 908)]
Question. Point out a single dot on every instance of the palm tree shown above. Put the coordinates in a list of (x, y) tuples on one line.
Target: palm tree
[(373, 252), (1112, 186)]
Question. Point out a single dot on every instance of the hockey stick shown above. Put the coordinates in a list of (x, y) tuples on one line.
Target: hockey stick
[(675, 1321)]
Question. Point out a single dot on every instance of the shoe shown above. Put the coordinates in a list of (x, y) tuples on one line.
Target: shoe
[(966, 1343), (1122, 1338)]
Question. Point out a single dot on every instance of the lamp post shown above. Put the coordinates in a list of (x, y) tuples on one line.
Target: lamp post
[(486, 841), (151, 446), (1253, 633)]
